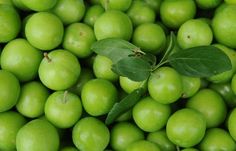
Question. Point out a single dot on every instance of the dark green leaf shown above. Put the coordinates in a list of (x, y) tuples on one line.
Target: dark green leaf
[(202, 61), (114, 48), (134, 68), (124, 105), (150, 58)]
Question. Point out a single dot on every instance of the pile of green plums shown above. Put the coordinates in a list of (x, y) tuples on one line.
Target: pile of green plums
[(55, 92)]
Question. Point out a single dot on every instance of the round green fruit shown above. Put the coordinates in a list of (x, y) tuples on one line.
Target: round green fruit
[(121, 5), (92, 14), (143, 145), (59, 70), (39, 5), (129, 85), (10, 90), (208, 4), (165, 85), (63, 109), (10, 123), (186, 127), (232, 124), (190, 86), (90, 134), (37, 135), (113, 24)]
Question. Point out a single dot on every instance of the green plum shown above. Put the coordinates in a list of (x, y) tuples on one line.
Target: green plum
[(39, 5), (92, 14), (142, 145), (190, 86), (121, 5)]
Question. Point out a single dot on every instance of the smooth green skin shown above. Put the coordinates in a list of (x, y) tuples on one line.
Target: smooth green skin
[(92, 14), (32, 99), (78, 39), (174, 13), (90, 134), (165, 85), (149, 37), (125, 116), (225, 33), (10, 23), (121, 5), (10, 90), (149, 115), (22, 59), (39, 5), (225, 90), (186, 127), (208, 4), (190, 86), (63, 109), (94, 2), (85, 75), (140, 12), (161, 139), (129, 85), (65, 8), (217, 139), (113, 24), (227, 75), (154, 4), (37, 135), (69, 148), (10, 123), (123, 134), (232, 124), (230, 1), (190, 149), (102, 68), (201, 35), (104, 95), (233, 83), (211, 105), (8, 2), (60, 70), (23, 24), (18, 4), (44, 30), (143, 145)]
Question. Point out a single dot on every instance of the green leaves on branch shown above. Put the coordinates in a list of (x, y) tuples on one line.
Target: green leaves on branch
[(202, 61), (129, 61)]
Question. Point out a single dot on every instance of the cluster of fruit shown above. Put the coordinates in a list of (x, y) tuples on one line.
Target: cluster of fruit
[(56, 92)]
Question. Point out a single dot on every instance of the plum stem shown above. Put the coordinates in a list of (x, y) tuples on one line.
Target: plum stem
[(47, 57), (64, 97)]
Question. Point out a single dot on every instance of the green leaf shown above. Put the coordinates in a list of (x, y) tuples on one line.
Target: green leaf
[(134, 68), (114, 48), (202, 61), (124, 105), (150, 58)]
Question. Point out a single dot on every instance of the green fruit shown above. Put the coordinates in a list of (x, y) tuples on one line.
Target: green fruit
[(149, 115), (10, 23), (174, 13), (102, 68), (186, 127), (140, 12), (123, 134), (190, 86), (161, 139), (32, 99), (190, 149), (154, 4), (69, 11), (232, 124), (149, 37), (104, 95), (92, 14), (37, 135), (22, 59), (39, 5), (90, 134), (121, 5), (78, 39), (165, 85), (59, 70), (230, 1), (44, 30), (10, 90), (129, 85), (63, 109), (19, 4), (208, 4), (217, 139), (194, 33), (10, 123), (211, 105), (143, 145), (69, 148), (225, 33), (113, 24)]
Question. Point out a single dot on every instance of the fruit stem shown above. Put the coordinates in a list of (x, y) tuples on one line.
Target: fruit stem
[(64, 97), (47, 57), (177, 148), (106, 4)]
